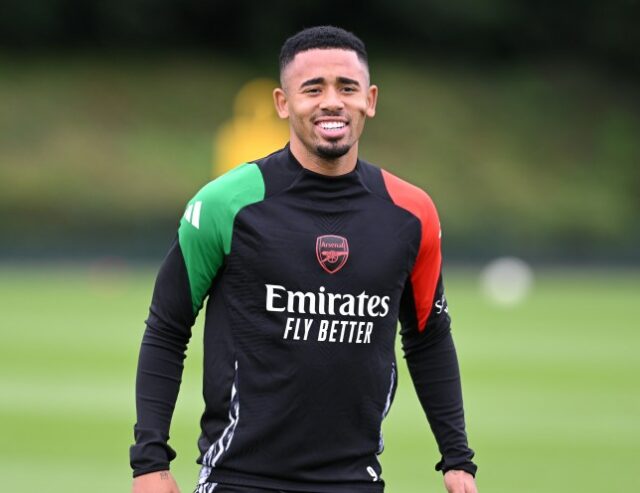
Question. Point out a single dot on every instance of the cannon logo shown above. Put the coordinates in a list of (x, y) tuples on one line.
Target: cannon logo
[(332, 252)]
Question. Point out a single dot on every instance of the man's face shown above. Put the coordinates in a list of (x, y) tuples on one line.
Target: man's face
[(326, 96)]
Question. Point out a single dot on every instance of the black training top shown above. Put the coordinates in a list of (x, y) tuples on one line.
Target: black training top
[(307, 276)]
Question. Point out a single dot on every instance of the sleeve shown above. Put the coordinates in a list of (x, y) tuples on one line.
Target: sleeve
[(426, 337), (433, 366), (182, 284), (185, 279)]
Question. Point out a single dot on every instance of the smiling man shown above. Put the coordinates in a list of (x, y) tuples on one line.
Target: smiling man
[(308, 258), (326, 95)]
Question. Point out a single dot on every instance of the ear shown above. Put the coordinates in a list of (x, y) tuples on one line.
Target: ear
[(280, 102), (372, 100)]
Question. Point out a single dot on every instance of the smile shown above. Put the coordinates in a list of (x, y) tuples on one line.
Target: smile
[(332, 125)]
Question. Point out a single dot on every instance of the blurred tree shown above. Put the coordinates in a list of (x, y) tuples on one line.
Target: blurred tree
[(589, 29)]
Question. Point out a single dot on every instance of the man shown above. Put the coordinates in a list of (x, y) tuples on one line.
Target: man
[(309, 257)]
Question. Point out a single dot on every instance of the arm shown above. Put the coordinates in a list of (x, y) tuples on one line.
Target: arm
[(433, 366), (160, 364), (427, 342), (428, 345), (183, 282)]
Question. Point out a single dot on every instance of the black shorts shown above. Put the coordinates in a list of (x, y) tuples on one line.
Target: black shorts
[(230, 488)]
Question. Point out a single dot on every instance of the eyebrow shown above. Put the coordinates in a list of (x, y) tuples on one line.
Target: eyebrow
[(347, 80), (312, 82), (321, 80)]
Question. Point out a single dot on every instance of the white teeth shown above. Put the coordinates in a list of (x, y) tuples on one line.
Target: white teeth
[(331, 125)]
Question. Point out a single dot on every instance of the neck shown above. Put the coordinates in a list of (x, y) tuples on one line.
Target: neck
[(329, 167)]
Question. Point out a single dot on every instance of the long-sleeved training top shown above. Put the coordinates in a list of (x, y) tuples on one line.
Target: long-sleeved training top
[(306, 276)]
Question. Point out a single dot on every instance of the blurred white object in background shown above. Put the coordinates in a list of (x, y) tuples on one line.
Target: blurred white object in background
[(506, 280)]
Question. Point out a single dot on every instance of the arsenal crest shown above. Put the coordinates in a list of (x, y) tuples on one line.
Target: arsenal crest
[(332, 252)]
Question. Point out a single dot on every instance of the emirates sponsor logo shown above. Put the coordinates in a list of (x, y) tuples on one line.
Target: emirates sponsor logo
[(332, 252), (280, 299), (357, 314)]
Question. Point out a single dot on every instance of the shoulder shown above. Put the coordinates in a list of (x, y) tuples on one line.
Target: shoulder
[(217, 203), (408, 196), (243, 183), (417, 202), (399, 192)]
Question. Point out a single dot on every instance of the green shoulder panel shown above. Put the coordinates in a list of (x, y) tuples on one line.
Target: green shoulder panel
[(207, 225)]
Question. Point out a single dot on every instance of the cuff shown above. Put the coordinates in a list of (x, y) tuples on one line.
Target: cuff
[(458, 464), (150, 455)]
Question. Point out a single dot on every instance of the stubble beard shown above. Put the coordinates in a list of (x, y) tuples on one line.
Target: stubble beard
[(331, 152)]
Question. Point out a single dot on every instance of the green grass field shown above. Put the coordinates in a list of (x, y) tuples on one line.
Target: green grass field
[(551, 387)]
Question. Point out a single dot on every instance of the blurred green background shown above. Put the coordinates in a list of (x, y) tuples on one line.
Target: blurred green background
[(522, 121)]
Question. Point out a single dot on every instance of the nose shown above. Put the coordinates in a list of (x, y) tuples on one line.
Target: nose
[(331, 100)]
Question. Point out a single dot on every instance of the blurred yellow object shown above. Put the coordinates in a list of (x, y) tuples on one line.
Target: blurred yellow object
[(254, 130)]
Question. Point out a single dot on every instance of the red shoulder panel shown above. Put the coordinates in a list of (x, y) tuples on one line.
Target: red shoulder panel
[(426, 270)]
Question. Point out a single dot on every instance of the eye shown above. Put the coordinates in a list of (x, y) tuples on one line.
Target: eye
[(312, 90), (349, 89)]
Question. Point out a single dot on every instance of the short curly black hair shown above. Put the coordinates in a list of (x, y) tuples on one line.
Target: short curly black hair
[(323, 37)]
